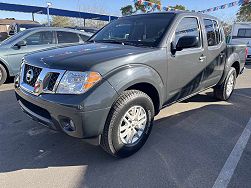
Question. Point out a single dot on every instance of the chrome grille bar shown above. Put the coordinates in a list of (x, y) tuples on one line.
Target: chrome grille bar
[(42, 81)]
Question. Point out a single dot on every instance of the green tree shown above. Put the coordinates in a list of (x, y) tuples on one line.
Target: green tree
[(179, 7), (60, 21), (129, 9), (244, 13)]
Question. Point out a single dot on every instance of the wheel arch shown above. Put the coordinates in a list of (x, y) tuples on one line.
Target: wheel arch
[(237, 66), (151, 91), (232, 61), (142, 78), (6, 67)]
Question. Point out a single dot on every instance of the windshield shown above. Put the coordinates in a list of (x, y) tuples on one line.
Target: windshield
[(14, 38), (141, 30)]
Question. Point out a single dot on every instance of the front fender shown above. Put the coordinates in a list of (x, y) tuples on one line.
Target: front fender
[(124, 77)]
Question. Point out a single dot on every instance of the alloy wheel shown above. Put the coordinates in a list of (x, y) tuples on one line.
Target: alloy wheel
[(230, 85), (133, 125)]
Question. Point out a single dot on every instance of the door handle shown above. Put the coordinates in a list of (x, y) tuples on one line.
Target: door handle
[(202, 58)]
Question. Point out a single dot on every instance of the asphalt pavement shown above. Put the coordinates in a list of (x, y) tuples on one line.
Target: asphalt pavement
[(193, 144)]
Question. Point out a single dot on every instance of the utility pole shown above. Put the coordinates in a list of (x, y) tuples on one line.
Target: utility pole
[(48, 13)]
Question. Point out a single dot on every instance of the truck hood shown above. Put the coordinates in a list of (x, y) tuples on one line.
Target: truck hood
[(84, 57)]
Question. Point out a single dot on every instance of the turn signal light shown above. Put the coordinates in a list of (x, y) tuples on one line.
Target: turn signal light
[(92, 78)]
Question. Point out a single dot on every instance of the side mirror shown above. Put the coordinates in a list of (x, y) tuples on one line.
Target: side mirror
[(187, 42), (21, 43)]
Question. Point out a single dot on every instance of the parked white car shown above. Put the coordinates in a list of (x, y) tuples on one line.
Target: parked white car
[(241, 34)]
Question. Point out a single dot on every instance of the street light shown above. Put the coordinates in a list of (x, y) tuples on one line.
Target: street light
[(49, 4)]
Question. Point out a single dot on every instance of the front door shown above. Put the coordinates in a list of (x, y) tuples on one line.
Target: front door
[(34, 42), (185, 67)]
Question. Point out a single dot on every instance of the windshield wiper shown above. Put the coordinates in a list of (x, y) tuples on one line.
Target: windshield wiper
[(133, 43), (110, 41), (123, 42)]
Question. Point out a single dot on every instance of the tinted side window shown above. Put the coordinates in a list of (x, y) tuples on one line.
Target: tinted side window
[(248, 33), (244, 33), (213, 32), (40, 38), (67, 37), (188, 27), (84, 37)]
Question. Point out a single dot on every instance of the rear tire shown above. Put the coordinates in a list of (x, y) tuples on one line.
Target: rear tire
[(3, 74), (224, 91), (129, 124)]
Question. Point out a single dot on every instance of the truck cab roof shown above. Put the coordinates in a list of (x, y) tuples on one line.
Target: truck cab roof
[(178, 12)]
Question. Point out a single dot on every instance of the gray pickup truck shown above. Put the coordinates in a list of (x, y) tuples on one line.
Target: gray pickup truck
[(108, 90)]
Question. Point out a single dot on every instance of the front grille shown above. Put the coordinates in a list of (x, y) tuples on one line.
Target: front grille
[(249, 56), (53, 79), (46, 78), (35, 70)]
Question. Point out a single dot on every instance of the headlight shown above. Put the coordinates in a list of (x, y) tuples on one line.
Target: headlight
[(77, 82)]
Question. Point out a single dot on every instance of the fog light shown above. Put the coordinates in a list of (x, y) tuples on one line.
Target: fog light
[(68, 125)]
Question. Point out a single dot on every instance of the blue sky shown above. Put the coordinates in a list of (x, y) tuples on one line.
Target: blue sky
[(113, 6)]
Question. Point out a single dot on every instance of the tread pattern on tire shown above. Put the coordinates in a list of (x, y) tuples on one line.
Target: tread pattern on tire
[(219, 90), (106, 142), (5, 74)]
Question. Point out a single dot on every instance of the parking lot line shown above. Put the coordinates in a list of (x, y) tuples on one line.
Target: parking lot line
[(241, 95), (233, 159)]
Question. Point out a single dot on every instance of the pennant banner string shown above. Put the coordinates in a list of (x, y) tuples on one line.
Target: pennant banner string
[(169, 8)]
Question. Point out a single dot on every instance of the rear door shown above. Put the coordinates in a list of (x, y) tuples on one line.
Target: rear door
[(35, 41), (185, 68), (215, 54)]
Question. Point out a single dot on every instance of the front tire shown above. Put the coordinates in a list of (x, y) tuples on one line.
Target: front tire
[(3, 74), (225, 90), (129, 124)]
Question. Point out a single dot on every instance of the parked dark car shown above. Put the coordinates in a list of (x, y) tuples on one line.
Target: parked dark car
[(14, 48), (109, 90)]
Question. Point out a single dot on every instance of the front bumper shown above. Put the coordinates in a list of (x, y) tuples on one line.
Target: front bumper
[(88, 113)]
